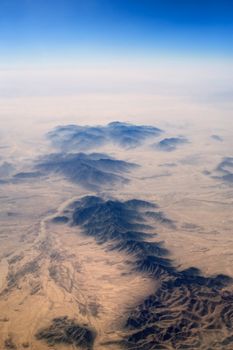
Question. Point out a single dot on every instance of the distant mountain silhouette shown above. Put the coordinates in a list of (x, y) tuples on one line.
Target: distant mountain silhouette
[(88, 170), (170, 144), (217, 138), (6, 169), (81, 138), (223, 171), (27, 175)]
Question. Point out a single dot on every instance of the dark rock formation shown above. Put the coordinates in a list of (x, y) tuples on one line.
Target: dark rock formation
[(67, 331), (188, 310)]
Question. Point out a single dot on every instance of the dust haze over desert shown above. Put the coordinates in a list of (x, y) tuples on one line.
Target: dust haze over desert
[(116, 187)]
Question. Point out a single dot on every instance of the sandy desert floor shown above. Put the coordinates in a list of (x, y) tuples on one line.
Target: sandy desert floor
[(50, 270)]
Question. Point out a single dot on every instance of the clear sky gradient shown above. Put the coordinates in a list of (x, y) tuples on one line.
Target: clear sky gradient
[(88, 61), (72, 28)]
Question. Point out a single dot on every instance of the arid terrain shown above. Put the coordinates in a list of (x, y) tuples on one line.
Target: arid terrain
[(117, 236)]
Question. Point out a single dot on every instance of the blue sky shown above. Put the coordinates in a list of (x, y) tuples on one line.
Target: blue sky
[(70, 28), (83, 60)]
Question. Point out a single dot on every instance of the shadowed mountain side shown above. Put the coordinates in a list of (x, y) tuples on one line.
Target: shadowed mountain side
[(170, 144), (89, 170), (82, 138), (161, 218), (123, 224), (110, 220), (168, 165), (60, 219), (22, 177), (224, 171), (26, 176), (188, 310), (67, 331), (140, 247), (226, 165), (140, 204), (6, 169), (217, 138), (228, 178), (129, 135)]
